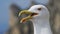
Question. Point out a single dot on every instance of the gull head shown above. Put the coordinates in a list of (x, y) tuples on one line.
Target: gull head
[(36, 11)]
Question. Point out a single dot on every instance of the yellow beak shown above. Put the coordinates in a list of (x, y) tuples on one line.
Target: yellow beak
[(28, 17)]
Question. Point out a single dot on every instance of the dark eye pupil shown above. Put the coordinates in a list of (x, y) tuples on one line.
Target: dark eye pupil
[(39, 8)]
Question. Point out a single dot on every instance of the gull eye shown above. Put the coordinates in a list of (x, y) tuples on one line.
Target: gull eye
[(39, 9)]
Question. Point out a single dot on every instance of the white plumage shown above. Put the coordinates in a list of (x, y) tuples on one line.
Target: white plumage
[(41, 21)]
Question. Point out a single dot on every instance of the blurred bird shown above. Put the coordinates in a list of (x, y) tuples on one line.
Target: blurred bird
[(39, 15)]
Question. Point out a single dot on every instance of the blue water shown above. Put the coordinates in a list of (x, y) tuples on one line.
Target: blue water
[(4, 11)]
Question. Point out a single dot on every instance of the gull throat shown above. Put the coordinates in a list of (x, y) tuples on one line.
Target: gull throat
[(41, 26)]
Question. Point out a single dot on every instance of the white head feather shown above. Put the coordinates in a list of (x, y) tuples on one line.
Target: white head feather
[(41, 10)]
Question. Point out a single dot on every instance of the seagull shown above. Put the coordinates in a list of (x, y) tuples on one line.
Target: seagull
[(39, 15)]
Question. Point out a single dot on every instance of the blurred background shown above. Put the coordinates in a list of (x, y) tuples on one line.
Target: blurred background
[(8, 17)]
